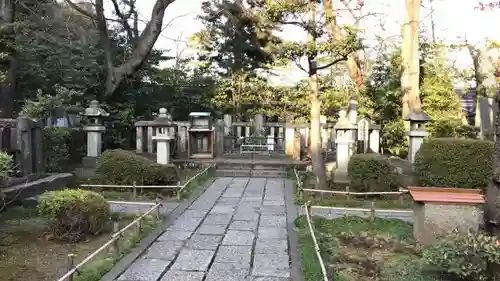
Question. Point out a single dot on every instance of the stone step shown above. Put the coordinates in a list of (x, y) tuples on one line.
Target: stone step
[(250, 166), (250, 173)]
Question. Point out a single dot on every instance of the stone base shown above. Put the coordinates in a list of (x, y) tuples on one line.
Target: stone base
[(89, 162), (39, 186)]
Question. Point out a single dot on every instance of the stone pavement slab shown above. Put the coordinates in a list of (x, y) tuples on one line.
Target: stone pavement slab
[(235, 231)]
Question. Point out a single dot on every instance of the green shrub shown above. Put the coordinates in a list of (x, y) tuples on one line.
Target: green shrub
[(394, 140), (458, 163), (452, 128), (372, 172), (74, 213), (125, 167), (6, 164), (463, 256), (63, 147)]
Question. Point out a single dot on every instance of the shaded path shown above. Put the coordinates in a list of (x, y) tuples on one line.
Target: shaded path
[(235, 231)]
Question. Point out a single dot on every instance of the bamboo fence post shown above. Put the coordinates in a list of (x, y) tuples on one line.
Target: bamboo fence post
[(115, 246), (139, 224), (157, 201), (71, 264), (372, 211), (401, 195), (134, 190), (348, 196)]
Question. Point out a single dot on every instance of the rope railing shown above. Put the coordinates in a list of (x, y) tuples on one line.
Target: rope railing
[(301, 190), (179, 188), (315, 242), (113, 242)]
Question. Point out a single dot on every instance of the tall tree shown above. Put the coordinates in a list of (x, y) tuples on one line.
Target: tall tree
[(236, 43), (411, 59), (322, 46), (141, 42)]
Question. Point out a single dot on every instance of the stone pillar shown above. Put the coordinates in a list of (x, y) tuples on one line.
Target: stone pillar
[(258, 124), (353, 111), (162, 148), (94, 144), (37, 138), (270, 143), (220, 127), (139, 135), (344, 153), (24, 144), (374, 144), (416, 138), (228, 120), (417, 132), (289, 140)]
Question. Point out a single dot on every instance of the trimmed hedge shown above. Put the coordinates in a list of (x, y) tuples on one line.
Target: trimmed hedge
[(456, 163), (124, 167), (74, 213), (371, 172), (62, 148)]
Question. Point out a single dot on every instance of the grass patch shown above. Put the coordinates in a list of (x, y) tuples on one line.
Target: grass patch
[(28, 253), (360, 249)]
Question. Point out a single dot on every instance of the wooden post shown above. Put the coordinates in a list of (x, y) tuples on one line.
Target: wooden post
[(71, 264), (348, 196), (157, 201), (330, 272), (115, 248), (309, 209), (139, 224), (179, 190), (134, 191), (372, 211)]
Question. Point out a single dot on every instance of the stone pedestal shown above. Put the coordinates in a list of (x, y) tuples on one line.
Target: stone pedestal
[(416, 138), (162, 149), (94, 144), (344, 153)]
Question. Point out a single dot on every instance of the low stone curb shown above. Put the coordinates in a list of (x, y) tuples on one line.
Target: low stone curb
[(128, 259)]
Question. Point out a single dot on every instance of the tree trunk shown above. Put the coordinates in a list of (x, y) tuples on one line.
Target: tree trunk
[(141, 49), (315, 130), (411, 59), (8, 64)]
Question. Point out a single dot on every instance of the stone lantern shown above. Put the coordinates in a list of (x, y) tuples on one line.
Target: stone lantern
[(417, 132), (95, 129), (164, 136)]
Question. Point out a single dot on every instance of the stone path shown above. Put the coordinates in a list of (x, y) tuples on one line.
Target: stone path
[(235, 231)]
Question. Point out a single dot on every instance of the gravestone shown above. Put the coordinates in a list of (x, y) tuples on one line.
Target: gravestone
[(363, 135)]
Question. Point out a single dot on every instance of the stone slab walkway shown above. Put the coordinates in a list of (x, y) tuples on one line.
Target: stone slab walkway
[(235, 231)]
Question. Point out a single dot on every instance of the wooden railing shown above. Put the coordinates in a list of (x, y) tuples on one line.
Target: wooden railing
[(113, 242), (179, 188)]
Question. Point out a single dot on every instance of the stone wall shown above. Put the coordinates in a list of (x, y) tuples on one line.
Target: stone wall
[(432, 220)]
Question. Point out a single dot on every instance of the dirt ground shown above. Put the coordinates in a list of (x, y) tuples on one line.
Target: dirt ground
[(27, 253)]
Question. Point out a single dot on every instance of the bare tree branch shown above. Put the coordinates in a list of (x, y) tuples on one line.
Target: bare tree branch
[(344, 58)]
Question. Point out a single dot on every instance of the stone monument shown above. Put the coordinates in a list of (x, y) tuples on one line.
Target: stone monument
[(417, 132), (95, 129), (165, 135)]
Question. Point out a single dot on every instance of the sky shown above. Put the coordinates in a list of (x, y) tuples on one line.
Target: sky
[(454, 21)]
